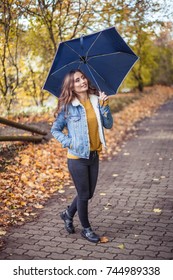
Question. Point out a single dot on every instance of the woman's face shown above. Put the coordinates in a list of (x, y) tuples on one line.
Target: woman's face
[(80, 83)]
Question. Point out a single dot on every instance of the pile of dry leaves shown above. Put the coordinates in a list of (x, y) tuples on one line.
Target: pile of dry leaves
[(34, 172)]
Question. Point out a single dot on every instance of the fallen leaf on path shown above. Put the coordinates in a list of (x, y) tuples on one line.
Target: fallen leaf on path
[(2, 232), (61, 191), (34, 214), (114, 175), (157, 210), (26, 214), (102, 194), (38, 206), (107, 206), (121, 246), (104, 239)]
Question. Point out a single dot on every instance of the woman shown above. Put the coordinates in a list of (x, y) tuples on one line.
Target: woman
[(84, 112)]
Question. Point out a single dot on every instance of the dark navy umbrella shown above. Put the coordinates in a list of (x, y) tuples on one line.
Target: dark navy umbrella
[(104, 57)]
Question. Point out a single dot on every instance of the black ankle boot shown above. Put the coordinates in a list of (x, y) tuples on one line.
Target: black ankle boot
[(68, 221), (90, 235)]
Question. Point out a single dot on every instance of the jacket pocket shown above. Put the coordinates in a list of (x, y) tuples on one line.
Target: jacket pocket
[(74, 118), (76, 146), (74, 123)]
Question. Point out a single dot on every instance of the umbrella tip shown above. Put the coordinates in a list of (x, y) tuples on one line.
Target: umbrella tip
[(81, 41)]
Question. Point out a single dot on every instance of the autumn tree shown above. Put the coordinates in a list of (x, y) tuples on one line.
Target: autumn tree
[(27, 49), (49, 22), (134, 20), (9, 52), (163, 73)]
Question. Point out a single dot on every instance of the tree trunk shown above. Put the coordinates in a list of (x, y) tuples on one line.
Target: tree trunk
[(21, 138), (22, 126), (140, 85)]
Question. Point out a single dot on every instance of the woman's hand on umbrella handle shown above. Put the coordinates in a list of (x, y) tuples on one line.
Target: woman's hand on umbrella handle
[(103, 96)]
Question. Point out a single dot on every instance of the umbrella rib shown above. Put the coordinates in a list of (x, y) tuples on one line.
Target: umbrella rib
[(99, 76), (93, 76), (95, 72), (64, 66), (72, 49), (108, 54), (93, 44)]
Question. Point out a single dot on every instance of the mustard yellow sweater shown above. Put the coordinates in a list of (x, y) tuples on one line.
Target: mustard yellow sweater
[(95, 144)]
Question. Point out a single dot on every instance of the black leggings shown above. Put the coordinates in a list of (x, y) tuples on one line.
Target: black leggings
[(84, 173)]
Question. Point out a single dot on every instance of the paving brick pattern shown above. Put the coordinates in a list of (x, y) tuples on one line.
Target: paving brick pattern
[(132, 206)]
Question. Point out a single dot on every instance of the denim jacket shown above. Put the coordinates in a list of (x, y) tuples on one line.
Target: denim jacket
[(75, 120)]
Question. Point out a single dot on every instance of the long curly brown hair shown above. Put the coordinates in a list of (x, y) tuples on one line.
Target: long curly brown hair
[(68, 93)]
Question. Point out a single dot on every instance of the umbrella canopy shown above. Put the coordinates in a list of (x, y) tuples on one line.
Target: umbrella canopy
[(104, 57)]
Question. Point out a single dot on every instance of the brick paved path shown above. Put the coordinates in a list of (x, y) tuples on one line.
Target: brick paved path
[(133, 205)]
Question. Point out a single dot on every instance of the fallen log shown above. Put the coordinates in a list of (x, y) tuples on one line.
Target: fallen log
[(22, 126), (21, 138)]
